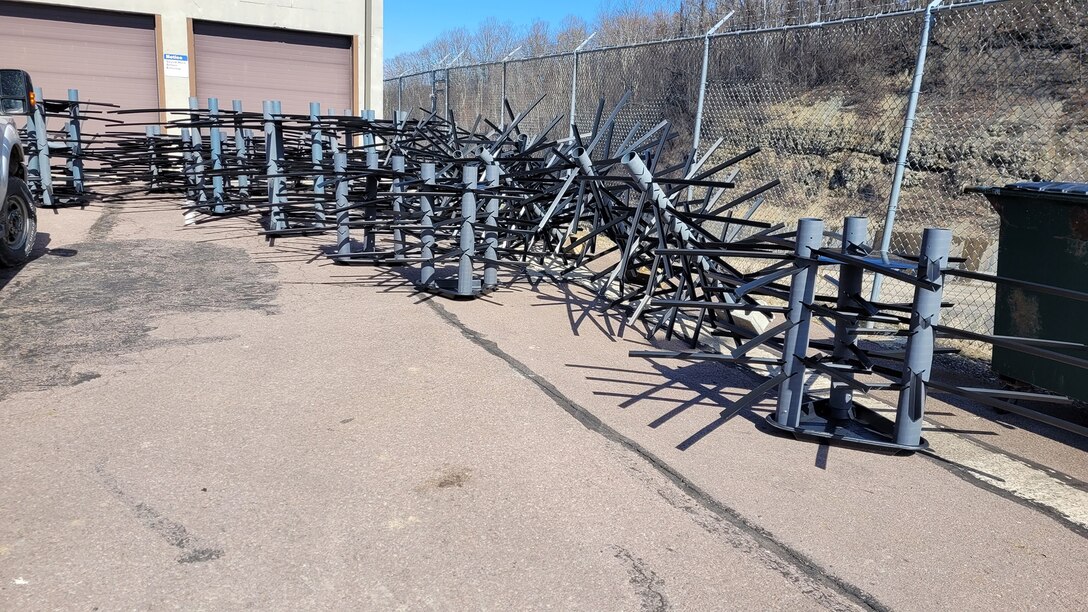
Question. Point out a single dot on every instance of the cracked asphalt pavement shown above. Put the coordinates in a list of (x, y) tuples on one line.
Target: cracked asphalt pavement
[(190, 418)]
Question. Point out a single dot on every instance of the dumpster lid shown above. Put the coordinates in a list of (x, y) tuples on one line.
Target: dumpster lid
[(1057, 191), (1052, 187)]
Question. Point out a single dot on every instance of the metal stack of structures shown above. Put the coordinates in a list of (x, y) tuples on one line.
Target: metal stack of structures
[(653, 229), (57, 158), (657, 231)]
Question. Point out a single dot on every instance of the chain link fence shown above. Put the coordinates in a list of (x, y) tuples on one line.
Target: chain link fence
[(527, 80), (475, 91), (1004, 98), (662, 77), (410, 93)]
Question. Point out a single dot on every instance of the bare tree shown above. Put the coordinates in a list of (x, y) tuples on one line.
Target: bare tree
[(571, 33), (492, 41), (537, 40)]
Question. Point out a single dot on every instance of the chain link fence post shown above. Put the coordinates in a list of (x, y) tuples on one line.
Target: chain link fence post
[(904, 144), (502, 96), (702, 84), (574, 84)]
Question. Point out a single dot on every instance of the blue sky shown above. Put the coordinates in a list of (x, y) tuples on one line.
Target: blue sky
[(410, 24)]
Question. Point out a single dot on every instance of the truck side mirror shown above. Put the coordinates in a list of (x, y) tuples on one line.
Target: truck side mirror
[(16, 92)]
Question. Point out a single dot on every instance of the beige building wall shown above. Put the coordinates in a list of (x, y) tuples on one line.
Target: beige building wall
[(359, 19)]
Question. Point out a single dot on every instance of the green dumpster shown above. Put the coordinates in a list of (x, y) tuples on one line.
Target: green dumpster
[(1043, 239)]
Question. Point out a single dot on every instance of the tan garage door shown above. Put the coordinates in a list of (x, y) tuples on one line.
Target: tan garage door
[(257, 64), (108, 57)]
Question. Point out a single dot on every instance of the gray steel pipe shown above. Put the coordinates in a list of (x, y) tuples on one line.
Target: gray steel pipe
[(273, 154), (241, 151), (398, 206), (645, 180), (370, 241), (152, 157), (855, 231), (918, 362), (215, 145), (75, 142), (317, 140), (200, 194), (791, 392), (41, 137), (491, 235), (343, 216), (468, 231), (426, 205)]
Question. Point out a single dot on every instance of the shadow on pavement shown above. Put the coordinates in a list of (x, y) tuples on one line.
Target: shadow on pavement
[(41, 248)]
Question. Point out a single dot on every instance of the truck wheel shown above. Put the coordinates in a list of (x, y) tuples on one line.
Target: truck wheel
[(18, 224)]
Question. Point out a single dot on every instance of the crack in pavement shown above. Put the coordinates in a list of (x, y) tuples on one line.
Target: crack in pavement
[(172, 531), (650, 586), (827, 589)]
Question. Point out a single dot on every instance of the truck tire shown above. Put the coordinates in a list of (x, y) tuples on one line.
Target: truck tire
[(18, 224)]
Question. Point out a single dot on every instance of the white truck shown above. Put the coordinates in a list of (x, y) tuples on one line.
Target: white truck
[(18, 215)]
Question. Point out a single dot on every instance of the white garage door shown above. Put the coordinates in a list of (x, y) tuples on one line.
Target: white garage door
[(257, 64)]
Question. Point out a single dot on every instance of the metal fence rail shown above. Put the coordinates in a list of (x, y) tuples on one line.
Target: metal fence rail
[(1001, 89)]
